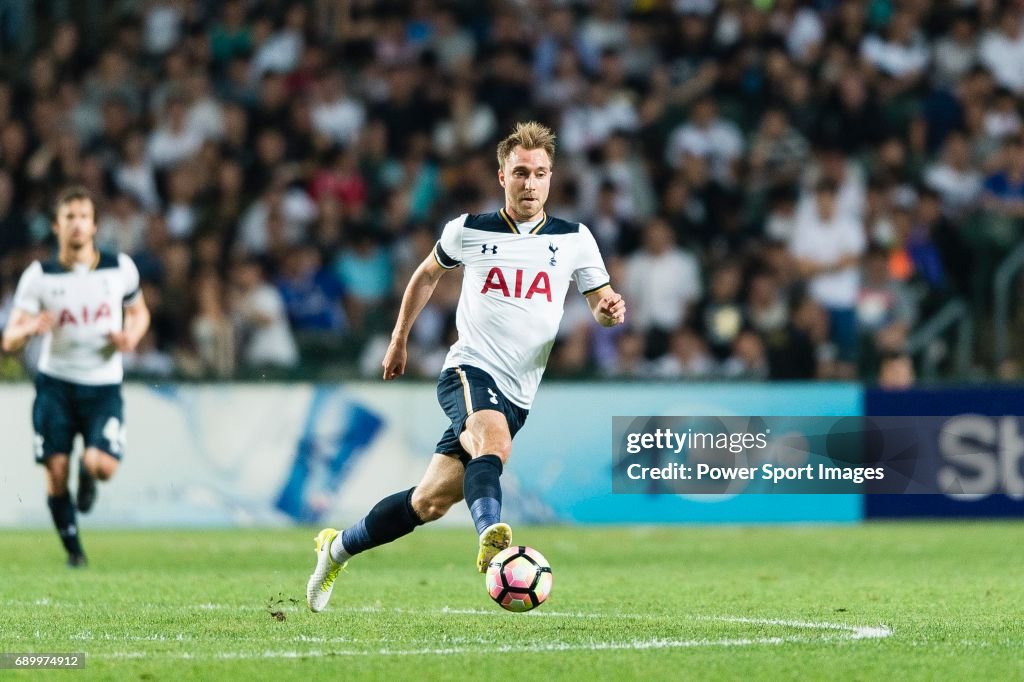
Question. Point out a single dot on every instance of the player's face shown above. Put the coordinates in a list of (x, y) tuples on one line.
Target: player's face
[(76, 223), (526, 178)]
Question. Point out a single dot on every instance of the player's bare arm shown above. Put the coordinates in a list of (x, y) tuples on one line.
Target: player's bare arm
[(136, 324), (419, 290), (608, 307), (22, 326)]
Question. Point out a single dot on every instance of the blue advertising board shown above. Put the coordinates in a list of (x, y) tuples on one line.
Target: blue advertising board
[(978, 447)]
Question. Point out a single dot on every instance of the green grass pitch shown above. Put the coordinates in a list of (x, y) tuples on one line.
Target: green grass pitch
[(897, 601)]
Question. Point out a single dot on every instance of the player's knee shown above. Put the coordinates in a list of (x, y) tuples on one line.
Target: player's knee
[(432, 506), (500, 446), (56, 488), (100, 465)]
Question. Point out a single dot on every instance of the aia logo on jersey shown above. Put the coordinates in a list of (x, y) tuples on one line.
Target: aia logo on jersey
[(540, 286), (87, 317)]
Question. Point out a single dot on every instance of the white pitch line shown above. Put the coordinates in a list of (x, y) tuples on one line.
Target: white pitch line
[(845, 633), (491, 648), (856, 631)]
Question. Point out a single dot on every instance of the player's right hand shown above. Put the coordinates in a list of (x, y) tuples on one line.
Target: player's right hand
[(42, 324), (394, 360)]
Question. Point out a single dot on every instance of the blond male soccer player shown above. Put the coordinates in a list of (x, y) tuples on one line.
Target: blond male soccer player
[(88, 309), (519, 262)]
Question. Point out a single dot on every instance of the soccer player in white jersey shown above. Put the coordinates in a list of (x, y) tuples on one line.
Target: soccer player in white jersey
[(518, 263), (88, 309)]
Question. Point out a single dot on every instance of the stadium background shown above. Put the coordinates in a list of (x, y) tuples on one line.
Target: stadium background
[(277, 169)]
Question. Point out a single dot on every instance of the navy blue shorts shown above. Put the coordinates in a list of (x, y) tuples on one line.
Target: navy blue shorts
[(63, 410), (464, 390)]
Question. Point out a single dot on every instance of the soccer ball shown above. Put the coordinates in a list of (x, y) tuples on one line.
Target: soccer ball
[(519, 579)]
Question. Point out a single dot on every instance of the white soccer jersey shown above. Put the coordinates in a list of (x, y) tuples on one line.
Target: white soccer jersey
[(513, 292), (87, 305)]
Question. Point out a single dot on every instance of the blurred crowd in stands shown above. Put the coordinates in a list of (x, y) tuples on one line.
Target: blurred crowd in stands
[(782, 189)]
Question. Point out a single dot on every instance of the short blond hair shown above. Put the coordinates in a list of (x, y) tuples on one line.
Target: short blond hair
[(528, 135)]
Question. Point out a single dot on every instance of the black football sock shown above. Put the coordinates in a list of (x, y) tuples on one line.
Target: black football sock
[(390, 519), (63, 513), (482, 489)]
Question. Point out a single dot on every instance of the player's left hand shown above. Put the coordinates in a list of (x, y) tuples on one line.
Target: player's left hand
[(120, 341), (611, 310), (394, 360)]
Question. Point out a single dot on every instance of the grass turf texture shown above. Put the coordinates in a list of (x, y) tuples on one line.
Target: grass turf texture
[(640, 603)]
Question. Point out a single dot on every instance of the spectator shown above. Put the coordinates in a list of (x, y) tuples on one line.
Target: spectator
[(342, 181), (454, 46), (173, 142), (122, 227), (896, 372), (790, 353), (612, 232), (312, 294), (832, 165), (364, 270), (1003, 193), (781, 220), (13, 226), (209, 132), (686, 213), (766, 309), (559, 41), (261, 320), (278, 218), (181, 213), (280, 51), (955, 52), (827, 245), (852, 119), (1002, 50), (589, 124), (886, 310), (629, 361), (954, 178), (778, 152), (720, 318), (566, 85), (749, 359), (468, 126), (624, 170), (901, 57), (336, 113), (710, 137), (662, 281), (687, 357), (230, 37), (212, 332)]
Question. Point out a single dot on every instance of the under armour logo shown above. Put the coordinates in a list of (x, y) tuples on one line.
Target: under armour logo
[(494, 396), (552, 248), (484, 247)]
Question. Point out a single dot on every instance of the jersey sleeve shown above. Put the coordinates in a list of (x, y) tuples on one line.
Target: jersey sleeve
[(590, 273), (27, 295), (448, 250), (130, 276)]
